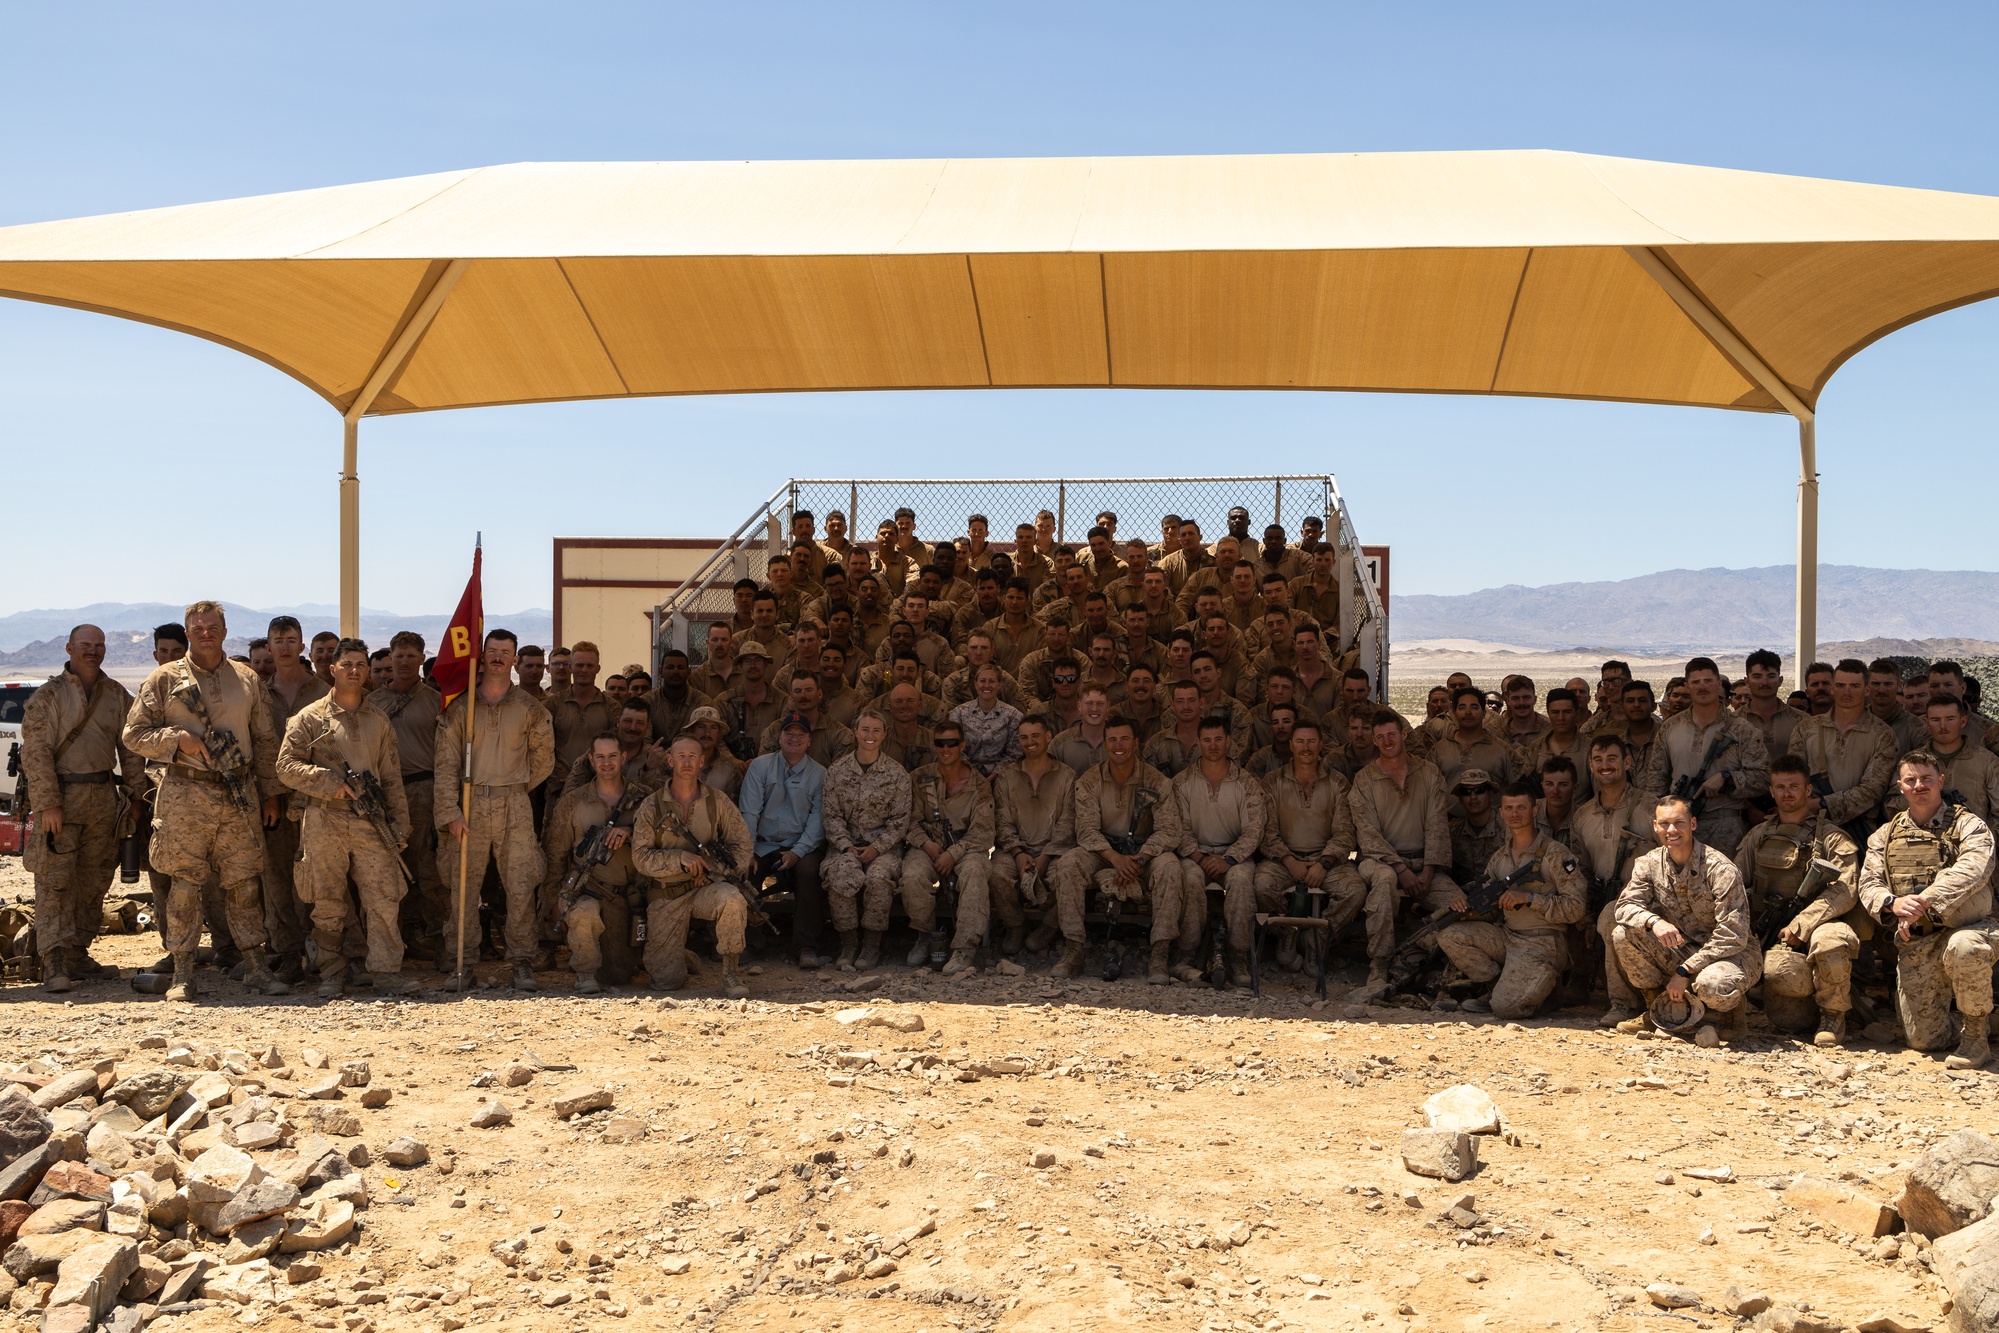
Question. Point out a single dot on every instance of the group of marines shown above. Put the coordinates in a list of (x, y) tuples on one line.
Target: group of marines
[(993, 736)]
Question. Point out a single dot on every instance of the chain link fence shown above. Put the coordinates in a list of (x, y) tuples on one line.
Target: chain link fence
[(943, 508)]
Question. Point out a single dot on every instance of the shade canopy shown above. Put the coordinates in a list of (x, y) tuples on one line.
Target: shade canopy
[(1542, 273)]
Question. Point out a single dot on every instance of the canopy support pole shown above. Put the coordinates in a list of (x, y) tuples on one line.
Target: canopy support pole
[(392, 361), (1805, 626)]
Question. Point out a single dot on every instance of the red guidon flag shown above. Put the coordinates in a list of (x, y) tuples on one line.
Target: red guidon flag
[(460, 648)]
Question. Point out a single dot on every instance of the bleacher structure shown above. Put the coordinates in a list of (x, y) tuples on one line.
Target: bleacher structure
[(942, 507)]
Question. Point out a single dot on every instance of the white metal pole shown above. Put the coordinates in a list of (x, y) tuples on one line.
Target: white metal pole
[(1807, 637)]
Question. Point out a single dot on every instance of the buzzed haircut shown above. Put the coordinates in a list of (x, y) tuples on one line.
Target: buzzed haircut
[(207, 608), (491, 635), (347, 646), (1884, 666), (532, 650), (1614, 664), (326, 634), (1702, 664), (1644, 685), (986, 575), (405, 638), (1521, 787), (172, 633), (741, 584), (1273, 577), (1017, 582), (1120, 720), (1183, 634), (1946, 701), (380, 654), (1852, 666), (1203, 655), (1602, 741), (1302, 724), (1918, 759), (663, 657), (1562, 695), (764, 595), (1098, 531), (1762, 657), (1212, 722), (1033, 720), (1559, 763), (1137, 667), (279, 624), (1355, 673), (1310, 627), (1462, 690), (636, 706), (1948, 668), (1281, 672), (1790, 763), (583, 646), (1824, 669), (253, 645), (1180, 685)]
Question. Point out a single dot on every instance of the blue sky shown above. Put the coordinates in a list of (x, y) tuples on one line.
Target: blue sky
[(142, 464)]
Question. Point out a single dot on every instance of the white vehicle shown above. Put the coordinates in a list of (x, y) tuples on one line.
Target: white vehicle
[(14, 786)]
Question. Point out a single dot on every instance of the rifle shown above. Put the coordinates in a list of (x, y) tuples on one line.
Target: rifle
[(591, 851), (741, 744), (938, 830), (1822, 873), (1688, 788), (1856, 827), (18, 806), (1482, 897), (1124, 844), (720, 859), (372, 804), (224, 753)]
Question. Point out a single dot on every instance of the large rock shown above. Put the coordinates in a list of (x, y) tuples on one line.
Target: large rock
[(76, 1083), (32, 1256), (65, 1215), (71, 1180), (13, 1212), (254, 1240), (216, 1175), (405, 1152), (256, 1201), (1966, 1261), (1447, 1154), (243, 1283), (579, 1098), (146, 1281), (322, 1223), (1465, 1108), (19, 1177), (1847, 1209), (108, 1146), (150, 1091), (23, 1126), (186, 1278), (1952, 1185), (92, 1276)]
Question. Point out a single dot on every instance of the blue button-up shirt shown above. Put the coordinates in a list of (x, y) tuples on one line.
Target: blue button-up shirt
[(783, 804)]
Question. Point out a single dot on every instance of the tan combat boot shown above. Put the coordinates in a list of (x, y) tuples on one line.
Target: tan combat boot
[(871, 950), (1616, 1015), (1043, 936), (1239, 967), (332, 967), (258, 977), (1832, 1028), (1973, 1050), (1071, 961), (183, 986), (55, 974), (1377, 982), (1287, 950), (850, 945), (1187, 970), (1641, 1021), (920, 955), (960, 961), (394, 983), (1155, 969), (732, 980)]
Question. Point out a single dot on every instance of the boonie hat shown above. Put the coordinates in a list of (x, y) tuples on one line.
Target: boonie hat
[(1472, 779), (698, 716), (753, 648)]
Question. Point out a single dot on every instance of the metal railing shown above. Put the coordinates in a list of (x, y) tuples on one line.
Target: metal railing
[(942, 508)]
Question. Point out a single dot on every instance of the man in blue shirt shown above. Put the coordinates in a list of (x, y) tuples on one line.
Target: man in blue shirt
[(783, 798)]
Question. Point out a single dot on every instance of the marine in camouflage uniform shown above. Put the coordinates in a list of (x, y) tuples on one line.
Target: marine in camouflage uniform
[(867, 817), (1704, 900), (70, 745), (287, 903), (1930, 880), (674, 826), (1223, 818), (412, 708), (1035, 821), (595, 914), (336, 839), (198, 828), (959, 825), (1107, 808), (1524, 953), (1310, 837)]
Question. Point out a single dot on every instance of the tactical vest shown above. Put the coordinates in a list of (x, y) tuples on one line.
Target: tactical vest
[(1783, 858), (1915, 856)]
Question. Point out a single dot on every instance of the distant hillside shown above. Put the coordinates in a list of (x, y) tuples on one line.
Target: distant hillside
[(1710, 608), (35, 638)]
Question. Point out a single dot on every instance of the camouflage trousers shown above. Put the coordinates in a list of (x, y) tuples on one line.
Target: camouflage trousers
[(1076, 870), (597, 931), (1824, 970), (1933, 970), (918, 886), (1382, 886), (199, 832), (1346, 895), (1720, 985), (73, 876), (1008, 889), (1623, 995), (859, 896), (500, 829), (286, 915), (1522, 966), (339, 843), (429, 907), (1238, 885), (667, 921)]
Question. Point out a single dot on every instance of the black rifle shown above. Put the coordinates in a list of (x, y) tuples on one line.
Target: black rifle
[(1780, 913), (721, 860), (225, 755), (18, 806), (1124, 844), (372, 804), (741, 744), (591, 851), (1688, 788), (1589, 961), (938, 829), (1482, 897)]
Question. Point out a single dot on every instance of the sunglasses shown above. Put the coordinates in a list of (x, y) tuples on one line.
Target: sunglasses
[(943, 744)]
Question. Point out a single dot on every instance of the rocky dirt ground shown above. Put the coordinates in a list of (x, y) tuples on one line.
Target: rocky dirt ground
[(1024, 1153)]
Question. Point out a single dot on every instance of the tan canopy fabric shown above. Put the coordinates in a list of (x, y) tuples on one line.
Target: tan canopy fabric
[(1496, 272)]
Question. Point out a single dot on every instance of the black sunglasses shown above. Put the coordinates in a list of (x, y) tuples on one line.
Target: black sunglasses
[(943, 744)]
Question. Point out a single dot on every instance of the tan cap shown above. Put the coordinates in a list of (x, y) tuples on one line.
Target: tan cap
[(1471, 779), (698, 716), (753, 648)]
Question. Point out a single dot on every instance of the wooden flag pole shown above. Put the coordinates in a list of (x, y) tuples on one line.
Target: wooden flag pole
[(463, 979)]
